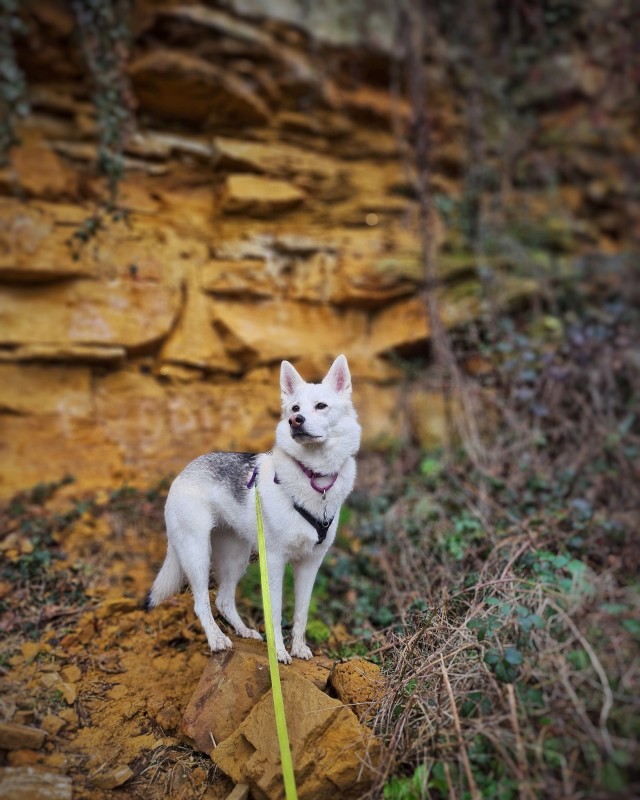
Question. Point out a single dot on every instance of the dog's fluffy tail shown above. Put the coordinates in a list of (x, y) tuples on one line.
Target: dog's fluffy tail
[(169, 581)]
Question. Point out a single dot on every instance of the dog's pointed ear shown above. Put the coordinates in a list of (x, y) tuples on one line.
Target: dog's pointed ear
[(339, 378), (290, 379)]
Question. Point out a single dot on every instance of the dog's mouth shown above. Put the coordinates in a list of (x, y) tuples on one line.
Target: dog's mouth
[(298, 433)]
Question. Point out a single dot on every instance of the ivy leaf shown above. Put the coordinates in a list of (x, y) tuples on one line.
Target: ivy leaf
[(506, 665), (513, 656), (429, 466), (506, 673)]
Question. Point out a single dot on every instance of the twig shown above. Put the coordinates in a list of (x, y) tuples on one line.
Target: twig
[(450, 787), (475, 794), (599, 669), (515, 556), (525, 786)]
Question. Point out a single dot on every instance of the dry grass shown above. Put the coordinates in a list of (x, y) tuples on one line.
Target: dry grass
[(445, 700), (176, 771), (514, 669)]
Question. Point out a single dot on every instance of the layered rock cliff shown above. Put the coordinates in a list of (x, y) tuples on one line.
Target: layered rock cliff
[(269, 215)]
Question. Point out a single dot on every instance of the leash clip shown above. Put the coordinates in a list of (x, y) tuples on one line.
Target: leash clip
[(325, 523)]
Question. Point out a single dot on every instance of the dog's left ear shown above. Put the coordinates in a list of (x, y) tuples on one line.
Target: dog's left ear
[(339, 378), (290, 379)]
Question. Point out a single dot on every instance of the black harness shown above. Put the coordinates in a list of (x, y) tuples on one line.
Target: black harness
[(321, 526)]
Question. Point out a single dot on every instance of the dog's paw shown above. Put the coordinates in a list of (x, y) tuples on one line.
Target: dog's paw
[(219, 643), (301, 651), (249, 633), (283, 656)]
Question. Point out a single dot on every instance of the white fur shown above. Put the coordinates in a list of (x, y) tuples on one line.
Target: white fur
[(207, 526)]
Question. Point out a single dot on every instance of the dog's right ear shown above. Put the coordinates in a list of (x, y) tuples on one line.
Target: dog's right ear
[(290, 379)]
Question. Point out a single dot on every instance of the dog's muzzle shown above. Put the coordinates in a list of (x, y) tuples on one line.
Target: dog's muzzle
[(296, 421), (296, 426)]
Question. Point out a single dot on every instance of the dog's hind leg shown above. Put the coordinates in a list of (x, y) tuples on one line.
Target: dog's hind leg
[(189, 530), (230, 558)]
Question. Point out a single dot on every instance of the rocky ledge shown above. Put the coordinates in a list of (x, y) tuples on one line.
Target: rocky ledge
[(269, 211), (231, 718)]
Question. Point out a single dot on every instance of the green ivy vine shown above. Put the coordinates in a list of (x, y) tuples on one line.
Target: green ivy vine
[(102, 34), (13, 86)]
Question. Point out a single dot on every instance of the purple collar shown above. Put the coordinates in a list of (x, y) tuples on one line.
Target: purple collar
[(313, 475), (308, 472)]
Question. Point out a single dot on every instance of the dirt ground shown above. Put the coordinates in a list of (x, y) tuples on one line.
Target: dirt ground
[(84, 661)]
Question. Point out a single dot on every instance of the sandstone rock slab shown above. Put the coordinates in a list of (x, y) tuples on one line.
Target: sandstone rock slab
[(242, 277), (14, 736), (194, 342), (333, 754), (35, 389), (33, 242), (358, 683), (272, 159), (258, 196), (178, 85), (30, 783), (52, 724), (230, 686), (373, 106), (65, 352), (37, 242), (46, 447), (239, 792), (157, 428), (270, 331), (400, 325), (372, 280), (127, 313), (405, 324), (40, 172), (112, 778), (220, 21)]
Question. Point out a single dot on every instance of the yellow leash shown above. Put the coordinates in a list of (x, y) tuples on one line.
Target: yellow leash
[(278, 702)]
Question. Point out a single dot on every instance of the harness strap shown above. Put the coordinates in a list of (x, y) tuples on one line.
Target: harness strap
[(320, 526), (253, 477)]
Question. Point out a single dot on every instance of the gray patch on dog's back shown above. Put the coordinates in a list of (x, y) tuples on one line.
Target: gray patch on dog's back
[(233, 470)]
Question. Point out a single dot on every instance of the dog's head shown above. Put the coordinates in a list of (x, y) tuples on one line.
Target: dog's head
[(314, 414)]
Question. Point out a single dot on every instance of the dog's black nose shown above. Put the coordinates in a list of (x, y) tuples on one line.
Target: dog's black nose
[(296, 420)]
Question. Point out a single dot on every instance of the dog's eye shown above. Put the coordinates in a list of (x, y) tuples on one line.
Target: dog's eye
[(295, 408), (320, 406)]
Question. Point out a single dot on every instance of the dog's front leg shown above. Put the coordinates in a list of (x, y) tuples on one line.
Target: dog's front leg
[(276, 566), (304, 573)]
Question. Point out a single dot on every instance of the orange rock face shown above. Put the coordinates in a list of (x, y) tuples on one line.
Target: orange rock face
[(175, 85), (269, 213)]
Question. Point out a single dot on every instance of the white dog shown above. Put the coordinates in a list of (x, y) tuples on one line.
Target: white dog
[(211, 518)]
